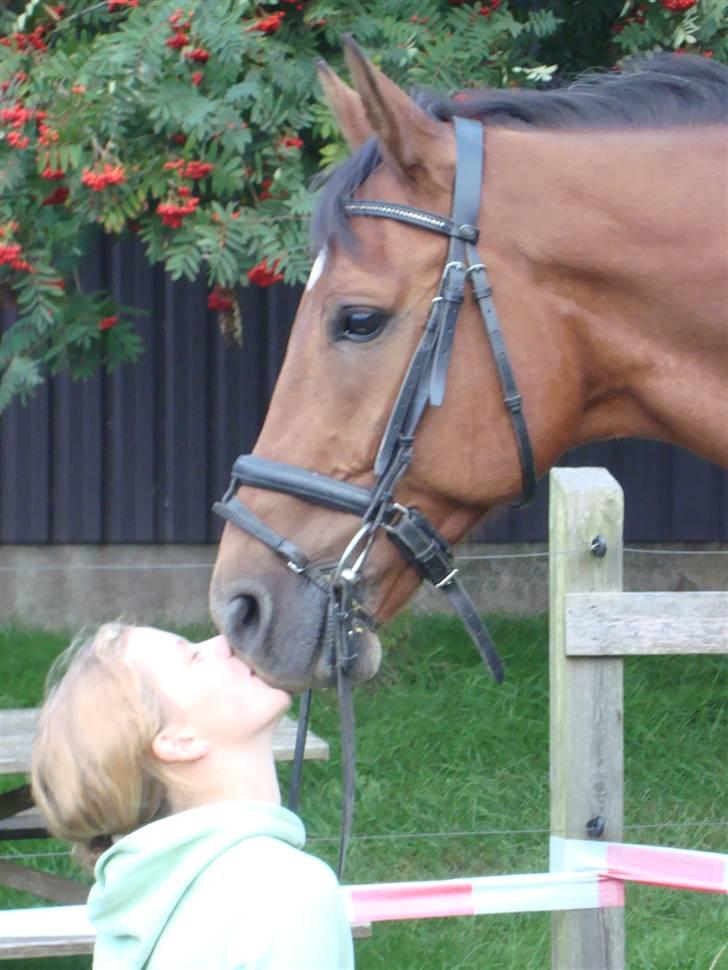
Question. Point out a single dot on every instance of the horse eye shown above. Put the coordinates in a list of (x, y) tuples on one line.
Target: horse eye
[(359, 323)]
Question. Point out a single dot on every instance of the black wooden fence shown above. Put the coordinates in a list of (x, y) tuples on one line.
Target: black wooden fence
[(138, 456)]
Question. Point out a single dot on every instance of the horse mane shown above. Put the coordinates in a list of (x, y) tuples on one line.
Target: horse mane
[(661, 91)]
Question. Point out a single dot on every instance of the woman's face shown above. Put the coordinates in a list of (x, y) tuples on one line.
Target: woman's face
[(206, 687)]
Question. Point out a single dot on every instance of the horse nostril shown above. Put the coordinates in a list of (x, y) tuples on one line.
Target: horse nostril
[(242, 621)]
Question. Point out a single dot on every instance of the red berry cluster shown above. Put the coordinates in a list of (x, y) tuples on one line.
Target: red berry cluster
[(16, 140), (113, 5), (678, 6), (17, 117), (46, 135), (31, 41), (58, 196), (291, 141), (189, 170), (218, 301), (263, 275), (11, 253), (182, 202), (487, 9), (100, 179), (197, 170), (268, 25), (106, 323), (178, 40), (181, 24), (52, 174), (172, 214), (35, 40)]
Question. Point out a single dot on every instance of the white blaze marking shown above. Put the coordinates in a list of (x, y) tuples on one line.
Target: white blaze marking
[(317, 269)]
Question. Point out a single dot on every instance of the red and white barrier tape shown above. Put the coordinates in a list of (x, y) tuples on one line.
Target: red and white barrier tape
[(527, 893), (652, 865), (584, 875)]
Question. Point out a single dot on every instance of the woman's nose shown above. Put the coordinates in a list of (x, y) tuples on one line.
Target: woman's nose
[(215, 646)]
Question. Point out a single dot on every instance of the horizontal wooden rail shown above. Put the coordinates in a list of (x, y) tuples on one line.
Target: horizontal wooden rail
[(632, 624), (17, 728)]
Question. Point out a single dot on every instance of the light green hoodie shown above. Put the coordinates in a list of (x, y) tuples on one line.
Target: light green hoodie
[(222, 887)]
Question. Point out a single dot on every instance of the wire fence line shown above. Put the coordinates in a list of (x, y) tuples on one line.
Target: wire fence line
[(410, 836), (497, 556)]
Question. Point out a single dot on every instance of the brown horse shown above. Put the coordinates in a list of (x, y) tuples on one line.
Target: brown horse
[(603, 226)]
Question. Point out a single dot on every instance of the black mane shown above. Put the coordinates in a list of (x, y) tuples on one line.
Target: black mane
[(663, 91)]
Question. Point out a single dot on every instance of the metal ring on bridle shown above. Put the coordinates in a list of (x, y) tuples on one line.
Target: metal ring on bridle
[(362, 533)]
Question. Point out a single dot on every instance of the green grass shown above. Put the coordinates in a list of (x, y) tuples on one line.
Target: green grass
[(442, 749)]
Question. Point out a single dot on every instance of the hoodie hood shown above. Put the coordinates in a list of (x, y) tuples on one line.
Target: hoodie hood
[(142, 877)]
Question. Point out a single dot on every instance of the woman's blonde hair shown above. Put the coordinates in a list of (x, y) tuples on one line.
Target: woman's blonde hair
[(94, 774)]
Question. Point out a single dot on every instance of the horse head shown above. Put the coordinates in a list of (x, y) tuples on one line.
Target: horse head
[(357, 327), (562, 234)]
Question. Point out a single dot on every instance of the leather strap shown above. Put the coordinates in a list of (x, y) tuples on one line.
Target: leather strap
[(233, 510), (299, 751), (348, 765), (465, 211), (463, 605), (482, 290), (299, 482), (431, 556), (452, 294), (413, 394), (413, 217)]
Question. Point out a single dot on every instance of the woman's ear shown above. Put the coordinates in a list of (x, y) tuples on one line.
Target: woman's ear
[(179, 745)]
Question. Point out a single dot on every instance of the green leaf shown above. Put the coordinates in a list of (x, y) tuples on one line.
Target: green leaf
[(19, 379)]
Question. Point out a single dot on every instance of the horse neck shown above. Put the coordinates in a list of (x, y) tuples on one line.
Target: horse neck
[(607, 253)]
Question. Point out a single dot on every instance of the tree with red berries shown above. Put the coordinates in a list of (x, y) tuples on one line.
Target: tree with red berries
[(197, 127)]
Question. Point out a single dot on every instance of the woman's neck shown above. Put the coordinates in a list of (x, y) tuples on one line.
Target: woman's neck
[(226, 774)]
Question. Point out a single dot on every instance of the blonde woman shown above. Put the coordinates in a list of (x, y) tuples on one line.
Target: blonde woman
[(154, 757)]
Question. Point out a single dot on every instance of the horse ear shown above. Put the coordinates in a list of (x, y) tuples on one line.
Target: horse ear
[(346, 106), (408, 134)]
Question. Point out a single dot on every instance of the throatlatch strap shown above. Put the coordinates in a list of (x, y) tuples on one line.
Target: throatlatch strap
[(483, 292)]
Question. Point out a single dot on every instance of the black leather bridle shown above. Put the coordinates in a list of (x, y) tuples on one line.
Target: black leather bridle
[(424, 549)]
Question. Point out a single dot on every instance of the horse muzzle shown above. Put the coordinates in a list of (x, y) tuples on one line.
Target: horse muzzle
[(293, 646)]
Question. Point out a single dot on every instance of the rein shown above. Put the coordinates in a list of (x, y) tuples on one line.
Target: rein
[(423, 548)]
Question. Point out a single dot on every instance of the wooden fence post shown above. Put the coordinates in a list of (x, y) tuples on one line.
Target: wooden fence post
[(586, 702)]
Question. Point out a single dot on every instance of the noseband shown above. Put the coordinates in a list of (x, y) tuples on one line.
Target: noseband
[(423, 548)]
